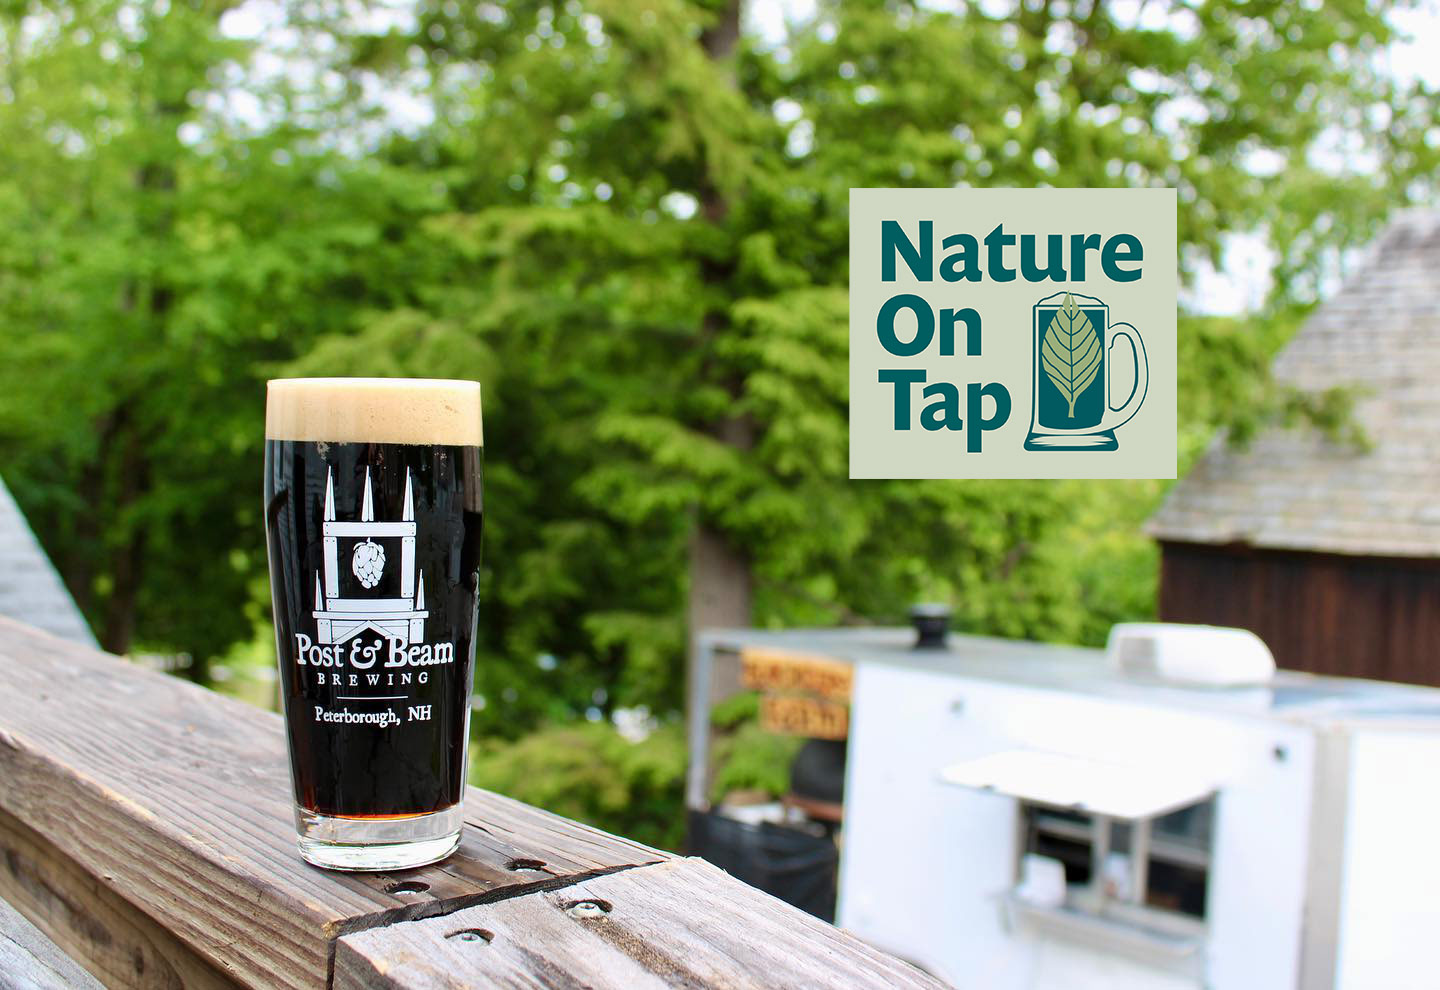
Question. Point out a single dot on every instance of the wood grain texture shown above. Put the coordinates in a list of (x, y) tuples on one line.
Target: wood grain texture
[(30, 961), (118, 943), (682, 923), (1333, 614), (180, 801)]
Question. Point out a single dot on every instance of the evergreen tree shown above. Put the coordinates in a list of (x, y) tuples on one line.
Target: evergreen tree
[(158, 261), (650, 228), (628, 220)]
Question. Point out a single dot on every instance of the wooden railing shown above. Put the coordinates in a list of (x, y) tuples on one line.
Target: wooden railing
[(146, 831)]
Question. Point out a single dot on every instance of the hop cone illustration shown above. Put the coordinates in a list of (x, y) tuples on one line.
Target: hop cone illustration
[(368, 562)]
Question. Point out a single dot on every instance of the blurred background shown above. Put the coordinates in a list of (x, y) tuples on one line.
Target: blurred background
[(628, 221)]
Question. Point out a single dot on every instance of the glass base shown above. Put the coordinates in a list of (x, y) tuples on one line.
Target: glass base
[(1099, 440), (389, 843)]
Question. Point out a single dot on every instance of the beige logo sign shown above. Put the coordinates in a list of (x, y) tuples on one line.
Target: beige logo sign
[(1012, 333)]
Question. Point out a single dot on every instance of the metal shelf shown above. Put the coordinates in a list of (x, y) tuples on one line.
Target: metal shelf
[(1143, 935)]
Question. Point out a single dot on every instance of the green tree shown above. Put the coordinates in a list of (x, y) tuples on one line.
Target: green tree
[(649, 228), (158, 258), (590, 772), (628, 218)]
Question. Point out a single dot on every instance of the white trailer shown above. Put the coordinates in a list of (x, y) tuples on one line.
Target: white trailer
[(1027, 816)]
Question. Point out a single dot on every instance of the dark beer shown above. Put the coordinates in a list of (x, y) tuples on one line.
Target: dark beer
[(373, 518)]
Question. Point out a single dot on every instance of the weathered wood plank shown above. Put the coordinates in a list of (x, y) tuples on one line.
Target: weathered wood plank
[(682, 923), (30, 961), (179, 800), (117, 942)]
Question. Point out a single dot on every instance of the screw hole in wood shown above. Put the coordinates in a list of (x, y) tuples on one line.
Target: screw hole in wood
[(480, 935), (592, 908), (407, 887)]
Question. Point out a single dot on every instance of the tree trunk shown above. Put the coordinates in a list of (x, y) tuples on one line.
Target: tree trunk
[(721, 583), (82, 563), (155, 185), (127, 561)]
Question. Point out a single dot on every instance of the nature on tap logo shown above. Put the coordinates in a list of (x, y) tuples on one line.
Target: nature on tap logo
[(948, 340)]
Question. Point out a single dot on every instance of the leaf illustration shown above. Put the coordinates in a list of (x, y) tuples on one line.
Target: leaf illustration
[(1071, 351)]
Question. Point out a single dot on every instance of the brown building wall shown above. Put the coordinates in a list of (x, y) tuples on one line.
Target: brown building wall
[(1376, 617)]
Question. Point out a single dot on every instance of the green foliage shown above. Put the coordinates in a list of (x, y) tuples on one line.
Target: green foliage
[(745, 757), (157, 262), (736, 710), (589, 772), (751, 759), (636, 239)]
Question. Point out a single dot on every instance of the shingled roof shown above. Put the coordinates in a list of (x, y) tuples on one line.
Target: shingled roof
[(1293, 489), (30, 590)]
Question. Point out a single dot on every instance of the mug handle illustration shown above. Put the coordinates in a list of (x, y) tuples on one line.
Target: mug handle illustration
[(1119, 416)]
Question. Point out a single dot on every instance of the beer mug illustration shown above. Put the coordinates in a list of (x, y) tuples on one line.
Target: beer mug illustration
[(1071, 406)]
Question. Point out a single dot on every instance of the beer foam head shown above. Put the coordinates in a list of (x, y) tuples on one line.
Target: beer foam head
[(374, 410)]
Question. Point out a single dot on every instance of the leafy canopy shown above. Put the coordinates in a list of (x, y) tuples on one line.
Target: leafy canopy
[(629, 237)]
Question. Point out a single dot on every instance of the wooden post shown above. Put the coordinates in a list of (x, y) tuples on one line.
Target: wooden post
[(29, 959), (146, 830)]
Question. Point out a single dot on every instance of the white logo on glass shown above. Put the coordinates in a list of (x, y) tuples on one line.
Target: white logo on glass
[(339, 619)]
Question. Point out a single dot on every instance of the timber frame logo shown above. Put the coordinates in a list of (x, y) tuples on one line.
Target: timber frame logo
[(358, 590), (947, 338), (339, 617)]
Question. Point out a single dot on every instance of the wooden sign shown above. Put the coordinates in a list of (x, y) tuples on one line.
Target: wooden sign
[(808, 717), (783, 672), (801, 694)]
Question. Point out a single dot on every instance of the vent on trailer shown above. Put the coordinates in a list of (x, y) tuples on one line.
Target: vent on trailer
[(1203, 656)]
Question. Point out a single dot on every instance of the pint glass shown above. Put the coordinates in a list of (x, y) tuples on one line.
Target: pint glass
[(372, 519)]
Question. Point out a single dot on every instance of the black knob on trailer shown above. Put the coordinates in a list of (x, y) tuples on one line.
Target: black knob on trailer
[(932, 623)]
